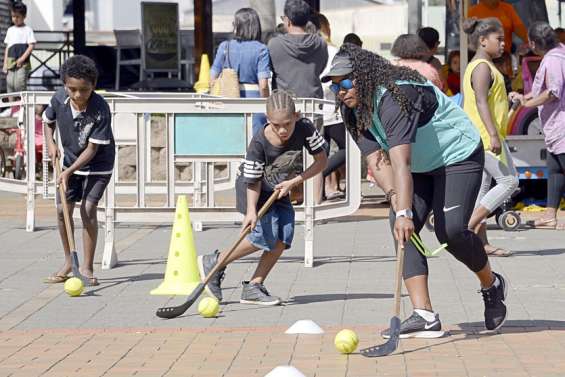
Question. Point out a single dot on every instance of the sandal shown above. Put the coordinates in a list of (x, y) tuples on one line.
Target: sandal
[(55, 279), (335, 195), (498, 252), (92, 281), (544, 224)]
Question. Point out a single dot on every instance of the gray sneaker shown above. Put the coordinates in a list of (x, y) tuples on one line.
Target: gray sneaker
[(256, 293), (205, 264)]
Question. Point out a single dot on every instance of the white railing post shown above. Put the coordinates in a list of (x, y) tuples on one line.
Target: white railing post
[(109, 256), (27, 127)]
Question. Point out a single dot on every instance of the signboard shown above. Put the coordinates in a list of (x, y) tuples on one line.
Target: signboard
[(200, 135), (160, 34)]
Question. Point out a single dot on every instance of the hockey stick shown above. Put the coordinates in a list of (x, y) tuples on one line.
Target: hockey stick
[(391, 345), (69, 230), (175, 311)]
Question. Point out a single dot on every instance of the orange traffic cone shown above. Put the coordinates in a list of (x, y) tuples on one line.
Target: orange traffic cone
[(181, 275)]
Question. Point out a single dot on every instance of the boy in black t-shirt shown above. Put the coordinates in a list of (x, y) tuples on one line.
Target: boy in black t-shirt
[(84, 122), (273, 161)]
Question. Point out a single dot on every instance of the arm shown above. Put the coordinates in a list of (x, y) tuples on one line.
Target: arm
[(543, 98), (403, 185), (481, 81), (518, 26), (22, 59), (382, 172), (264, 87), (5, 67), (319, 164), (253, 192), (52, 150)]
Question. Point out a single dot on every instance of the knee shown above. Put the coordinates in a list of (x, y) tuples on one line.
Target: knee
[(88, 213), (60, 214), (512, 183), (451, 232)]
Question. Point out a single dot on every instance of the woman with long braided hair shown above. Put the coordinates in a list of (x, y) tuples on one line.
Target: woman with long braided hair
[(437, 161)]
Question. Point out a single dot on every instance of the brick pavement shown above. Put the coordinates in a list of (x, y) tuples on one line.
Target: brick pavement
[(112, 331)]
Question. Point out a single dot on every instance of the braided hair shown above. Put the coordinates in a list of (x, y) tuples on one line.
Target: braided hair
[(281, 100), (370, 72)]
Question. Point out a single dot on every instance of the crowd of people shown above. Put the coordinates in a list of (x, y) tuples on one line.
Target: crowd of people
[(426, 151)]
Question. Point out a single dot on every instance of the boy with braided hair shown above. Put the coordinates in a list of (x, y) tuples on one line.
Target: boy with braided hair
[(273, 162)]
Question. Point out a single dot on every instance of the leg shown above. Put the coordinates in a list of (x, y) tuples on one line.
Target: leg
[(89, 236), (555, 189), (415, 264), (74, 187), (506, 183), (267, 262), (456, 190)]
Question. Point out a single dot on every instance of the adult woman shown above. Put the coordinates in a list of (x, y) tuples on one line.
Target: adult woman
[(548, 94), (486, 104), (248, 56), (437, 162), (412, 52)]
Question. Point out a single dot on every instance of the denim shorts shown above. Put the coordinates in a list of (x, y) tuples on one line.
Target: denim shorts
[(275, 225)]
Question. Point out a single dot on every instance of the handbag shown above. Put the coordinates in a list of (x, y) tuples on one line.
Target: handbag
[(227, 83)]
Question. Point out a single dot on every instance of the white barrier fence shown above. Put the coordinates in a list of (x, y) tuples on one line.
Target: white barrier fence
[(199, 130)]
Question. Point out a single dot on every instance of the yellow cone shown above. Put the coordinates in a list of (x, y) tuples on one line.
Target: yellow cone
[(203, 83), (181, 275)]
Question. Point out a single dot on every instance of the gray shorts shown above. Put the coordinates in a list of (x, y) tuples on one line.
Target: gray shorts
[(16, 79)]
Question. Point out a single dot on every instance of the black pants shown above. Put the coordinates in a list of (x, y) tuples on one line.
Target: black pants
[(335, 132), (451, 193), (556, 181)]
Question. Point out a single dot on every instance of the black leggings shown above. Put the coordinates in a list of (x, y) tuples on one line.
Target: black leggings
[(335, 132), (556, 181), (451, 193)]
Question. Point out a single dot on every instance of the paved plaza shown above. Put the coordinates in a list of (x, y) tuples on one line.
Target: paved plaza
[(112, 330)]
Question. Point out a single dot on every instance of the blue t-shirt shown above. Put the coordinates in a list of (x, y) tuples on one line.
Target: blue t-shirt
[(249, 58), (77, 130)]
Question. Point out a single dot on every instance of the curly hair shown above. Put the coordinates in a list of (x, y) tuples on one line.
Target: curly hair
[(370, 72), (79, 67)]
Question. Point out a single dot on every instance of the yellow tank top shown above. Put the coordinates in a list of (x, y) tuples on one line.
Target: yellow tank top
[(497, 102)]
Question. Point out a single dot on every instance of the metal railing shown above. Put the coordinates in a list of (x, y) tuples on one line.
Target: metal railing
[(132, 115)]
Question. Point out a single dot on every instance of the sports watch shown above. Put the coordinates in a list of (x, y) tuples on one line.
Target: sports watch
[(405, 213)]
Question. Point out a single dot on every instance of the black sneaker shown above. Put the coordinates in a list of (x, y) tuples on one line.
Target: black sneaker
[(416, 326), (205, 264), (256, 293), (495, 308)]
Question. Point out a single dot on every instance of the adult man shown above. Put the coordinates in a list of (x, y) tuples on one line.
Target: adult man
[(298, 58)]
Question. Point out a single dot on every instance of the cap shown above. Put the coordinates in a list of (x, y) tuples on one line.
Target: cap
[(341, 66)]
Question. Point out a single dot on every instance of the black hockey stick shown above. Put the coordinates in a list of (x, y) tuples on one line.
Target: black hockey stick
[(391, 345), (175, 311)]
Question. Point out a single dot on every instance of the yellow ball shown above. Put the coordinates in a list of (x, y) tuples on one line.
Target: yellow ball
[(346, 341), (208, 307), (74, 287)]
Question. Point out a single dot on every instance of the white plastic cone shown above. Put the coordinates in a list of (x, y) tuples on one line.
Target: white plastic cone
[(304, 326), (285, 371)]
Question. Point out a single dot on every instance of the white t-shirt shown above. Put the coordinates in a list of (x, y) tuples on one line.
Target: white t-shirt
[(17, 40)]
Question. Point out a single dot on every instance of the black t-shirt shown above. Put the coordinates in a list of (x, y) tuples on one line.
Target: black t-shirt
[(272, 164), (400, 126), (93, 125)]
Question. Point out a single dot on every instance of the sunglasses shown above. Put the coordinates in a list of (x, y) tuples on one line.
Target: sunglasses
[(343, 84), (417, 241)]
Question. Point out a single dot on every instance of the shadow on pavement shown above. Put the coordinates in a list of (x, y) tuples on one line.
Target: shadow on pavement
[(321, 260), (308, 299), (524, 253)]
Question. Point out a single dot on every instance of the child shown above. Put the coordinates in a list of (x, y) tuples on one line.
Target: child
[(83, 118), (454, 72), (19, 45), (486, 103), (281, 139)]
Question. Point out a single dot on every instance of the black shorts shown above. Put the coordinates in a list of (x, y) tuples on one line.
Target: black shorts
[(367, 143), (86, 187)]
